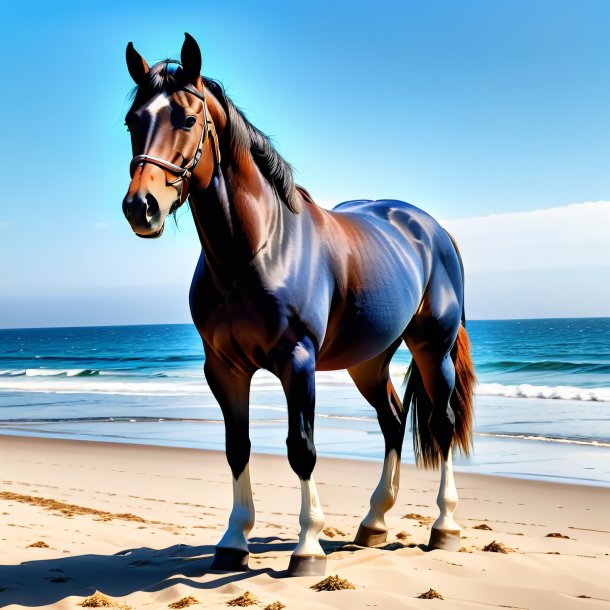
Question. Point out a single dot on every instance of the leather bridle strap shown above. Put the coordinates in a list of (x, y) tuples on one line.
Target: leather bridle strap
[(184, 173)]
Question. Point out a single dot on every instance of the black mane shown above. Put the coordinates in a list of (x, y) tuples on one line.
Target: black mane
[(166, 76)]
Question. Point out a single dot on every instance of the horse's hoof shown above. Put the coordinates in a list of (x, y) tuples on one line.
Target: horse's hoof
[(307, 565), (230, 560), (446, 540), (368, 536)]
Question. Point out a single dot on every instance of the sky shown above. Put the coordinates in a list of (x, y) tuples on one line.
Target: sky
[(491, 116)]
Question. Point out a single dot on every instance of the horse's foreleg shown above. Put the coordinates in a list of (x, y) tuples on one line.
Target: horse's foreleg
[(298, 380), (231, 389)]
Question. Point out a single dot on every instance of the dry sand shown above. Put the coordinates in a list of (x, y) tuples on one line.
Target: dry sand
[(139, 524)]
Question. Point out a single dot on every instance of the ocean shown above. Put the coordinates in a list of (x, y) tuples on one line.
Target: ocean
[(543, 397)]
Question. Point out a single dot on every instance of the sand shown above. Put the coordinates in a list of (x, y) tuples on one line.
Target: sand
[(138, 524)]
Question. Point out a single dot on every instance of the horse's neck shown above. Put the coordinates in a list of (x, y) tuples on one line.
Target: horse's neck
[(235, 217)]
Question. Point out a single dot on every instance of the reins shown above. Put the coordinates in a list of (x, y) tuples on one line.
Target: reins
[(184, 173)]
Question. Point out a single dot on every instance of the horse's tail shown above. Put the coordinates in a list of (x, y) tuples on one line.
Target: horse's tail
[(427, 451), (462, 399)]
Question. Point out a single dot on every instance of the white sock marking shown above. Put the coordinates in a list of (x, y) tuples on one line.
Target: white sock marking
[(385, 493), (447, 499), (311, 520), (241, 520)]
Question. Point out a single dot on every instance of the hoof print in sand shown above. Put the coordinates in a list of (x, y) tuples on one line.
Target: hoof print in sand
[(38, 545), (557, 535), (482, 526), (393, 546)]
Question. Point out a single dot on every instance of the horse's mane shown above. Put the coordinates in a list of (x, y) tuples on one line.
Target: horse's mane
[(165, 76)]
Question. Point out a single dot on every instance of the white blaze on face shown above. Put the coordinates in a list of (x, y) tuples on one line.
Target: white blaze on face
[(156, 104)]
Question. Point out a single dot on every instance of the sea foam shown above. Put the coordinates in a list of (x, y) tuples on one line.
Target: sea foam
[(561, 392), (92, 381)]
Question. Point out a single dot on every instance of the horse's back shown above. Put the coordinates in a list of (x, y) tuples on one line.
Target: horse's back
[(399, 213), (419, 238)]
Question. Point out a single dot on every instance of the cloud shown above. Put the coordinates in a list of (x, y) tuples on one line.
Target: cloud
[(102, 225), (567, 237)]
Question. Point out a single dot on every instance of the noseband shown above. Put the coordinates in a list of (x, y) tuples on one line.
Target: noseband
[(184, 173)]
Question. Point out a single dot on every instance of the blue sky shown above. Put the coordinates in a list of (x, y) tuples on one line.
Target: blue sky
[(470, 110)]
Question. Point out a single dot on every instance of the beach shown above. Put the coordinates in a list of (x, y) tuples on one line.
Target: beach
[(139, 523), (114, 477)]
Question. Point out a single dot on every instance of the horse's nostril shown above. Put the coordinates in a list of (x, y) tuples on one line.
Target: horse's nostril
[(152, 206)]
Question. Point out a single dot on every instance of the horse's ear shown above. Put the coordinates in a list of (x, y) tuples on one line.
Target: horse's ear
[(190, 57), (136, 64)]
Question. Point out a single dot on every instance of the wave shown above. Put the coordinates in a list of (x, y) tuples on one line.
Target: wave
[(560, 392), (96, 358), (58, 384), (95, 381), (49, 373), (545, 366), (546, 439)]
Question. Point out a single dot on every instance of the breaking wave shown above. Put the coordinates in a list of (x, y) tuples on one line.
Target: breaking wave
[(560, 392)]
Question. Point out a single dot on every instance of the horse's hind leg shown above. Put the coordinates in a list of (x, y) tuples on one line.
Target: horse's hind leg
[(372, 378), (438, 377), (444, 421), (231, 390)]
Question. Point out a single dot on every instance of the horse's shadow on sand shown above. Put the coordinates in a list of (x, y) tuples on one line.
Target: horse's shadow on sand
[(44, 582)]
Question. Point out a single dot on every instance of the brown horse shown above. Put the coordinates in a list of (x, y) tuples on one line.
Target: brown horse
[(289, 287)]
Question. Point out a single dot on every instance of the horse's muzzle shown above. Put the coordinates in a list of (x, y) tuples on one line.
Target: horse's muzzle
[(144, 215)]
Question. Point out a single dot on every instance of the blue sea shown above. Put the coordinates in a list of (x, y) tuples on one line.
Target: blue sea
[(543, 398)]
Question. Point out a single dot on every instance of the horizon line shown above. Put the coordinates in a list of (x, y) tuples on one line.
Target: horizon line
[(192, 324)]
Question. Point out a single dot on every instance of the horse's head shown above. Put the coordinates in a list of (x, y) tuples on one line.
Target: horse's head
[(173, 138)]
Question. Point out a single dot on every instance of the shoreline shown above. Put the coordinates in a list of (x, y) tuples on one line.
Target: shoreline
[(504, 455), (85, 444)]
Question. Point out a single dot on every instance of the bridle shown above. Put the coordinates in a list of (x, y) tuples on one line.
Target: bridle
[(184, 173)]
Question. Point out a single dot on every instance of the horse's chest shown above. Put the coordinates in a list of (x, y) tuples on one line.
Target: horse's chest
[(229, 326), (236, 325)]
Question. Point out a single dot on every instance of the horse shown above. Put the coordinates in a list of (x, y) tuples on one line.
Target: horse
[(287, 286)]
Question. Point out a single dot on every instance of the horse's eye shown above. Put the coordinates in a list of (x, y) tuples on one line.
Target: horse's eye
[(190, 120)]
